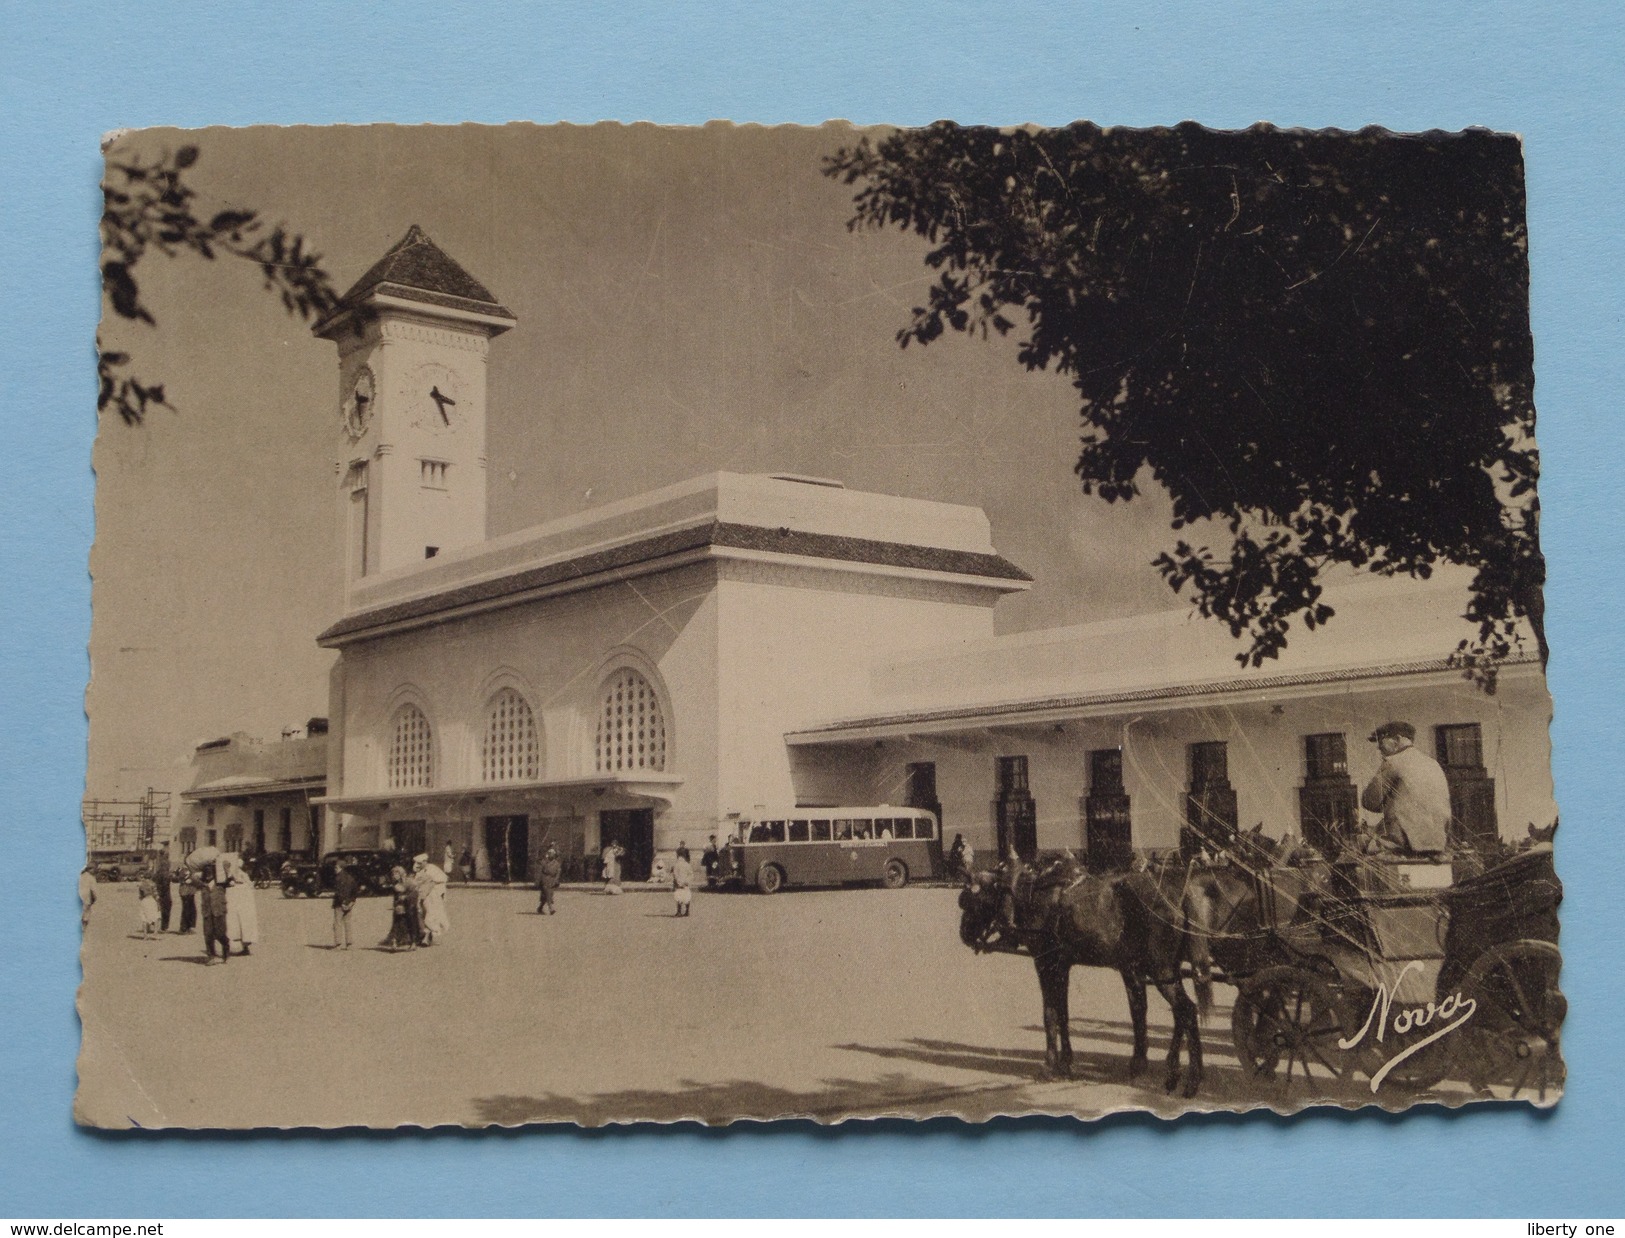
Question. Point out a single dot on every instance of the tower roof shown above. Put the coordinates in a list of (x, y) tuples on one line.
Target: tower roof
[(416, 269)]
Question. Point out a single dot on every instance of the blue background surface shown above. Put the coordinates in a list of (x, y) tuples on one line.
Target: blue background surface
[(72, 71)]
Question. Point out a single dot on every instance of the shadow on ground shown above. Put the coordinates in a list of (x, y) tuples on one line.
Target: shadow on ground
[(999, 1080), (720, 1102)]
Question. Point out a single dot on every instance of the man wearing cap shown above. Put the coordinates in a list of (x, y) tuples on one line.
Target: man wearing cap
[(1410, 791)]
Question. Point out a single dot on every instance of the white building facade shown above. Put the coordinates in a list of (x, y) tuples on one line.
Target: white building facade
[(253, 797), (1145, 734), (645, 670)]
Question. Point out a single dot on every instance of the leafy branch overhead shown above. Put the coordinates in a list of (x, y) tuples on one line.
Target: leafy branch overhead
[(148, 208), (1317, 343)]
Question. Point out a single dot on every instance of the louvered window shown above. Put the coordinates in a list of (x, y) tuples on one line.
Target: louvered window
[(509, 751), (411, 750), (631, 729)]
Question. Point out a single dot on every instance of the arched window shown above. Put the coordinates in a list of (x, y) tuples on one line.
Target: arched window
[(411, 750), (631, 728), (509, 751)]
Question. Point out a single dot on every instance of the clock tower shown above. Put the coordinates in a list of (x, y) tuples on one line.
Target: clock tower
[(412, 336)]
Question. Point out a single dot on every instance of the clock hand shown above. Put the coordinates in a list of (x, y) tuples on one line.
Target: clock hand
[(442, 402)]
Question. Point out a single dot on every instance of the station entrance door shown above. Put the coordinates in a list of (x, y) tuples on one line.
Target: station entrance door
[(634, 829)]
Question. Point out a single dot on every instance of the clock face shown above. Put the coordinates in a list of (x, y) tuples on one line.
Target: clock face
[(438, 398), (358, 405)]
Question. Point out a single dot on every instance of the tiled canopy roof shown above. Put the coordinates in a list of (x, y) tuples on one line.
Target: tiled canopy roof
[(418, 269)]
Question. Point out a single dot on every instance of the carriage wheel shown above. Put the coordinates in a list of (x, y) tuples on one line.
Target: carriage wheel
[(1514, 1040), (1421, 1070), (1286, 1025)]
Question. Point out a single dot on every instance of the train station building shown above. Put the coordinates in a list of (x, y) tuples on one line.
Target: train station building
[(255, 796), (648, 670)]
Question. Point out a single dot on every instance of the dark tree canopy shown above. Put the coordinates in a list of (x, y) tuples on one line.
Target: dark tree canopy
[(149, 208), (1318, 343)]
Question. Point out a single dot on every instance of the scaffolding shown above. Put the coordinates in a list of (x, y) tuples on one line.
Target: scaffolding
[(127, 825)]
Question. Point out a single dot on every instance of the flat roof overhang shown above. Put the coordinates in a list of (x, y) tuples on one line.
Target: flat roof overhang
[(248, 790), (649, 785), (711, 540), (1050, 710)]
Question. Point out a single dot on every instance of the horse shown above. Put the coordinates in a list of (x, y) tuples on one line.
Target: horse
[(1144, 925)]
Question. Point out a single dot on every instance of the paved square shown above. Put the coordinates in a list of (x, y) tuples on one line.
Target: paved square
[(806, 1003)]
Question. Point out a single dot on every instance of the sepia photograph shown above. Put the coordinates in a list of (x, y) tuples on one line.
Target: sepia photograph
[(632, 624)]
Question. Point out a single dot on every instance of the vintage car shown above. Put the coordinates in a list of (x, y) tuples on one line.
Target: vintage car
[(113, 865), (311, 879)]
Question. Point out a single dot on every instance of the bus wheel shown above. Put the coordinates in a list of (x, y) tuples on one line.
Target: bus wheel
[(769, 879), (895, 875)]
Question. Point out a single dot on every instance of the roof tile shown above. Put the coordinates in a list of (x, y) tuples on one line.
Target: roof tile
[(415, 264)]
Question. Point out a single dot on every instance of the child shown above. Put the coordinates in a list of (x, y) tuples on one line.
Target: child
[(146, 903), (682, 880), (403, 927)]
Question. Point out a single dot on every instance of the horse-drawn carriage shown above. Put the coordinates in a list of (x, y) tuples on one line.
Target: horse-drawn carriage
[(1389, 968), (1375, 965)]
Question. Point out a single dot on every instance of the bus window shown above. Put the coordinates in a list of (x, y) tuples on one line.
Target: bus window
[(903, 827), (925, 827), (884, 828), (843, 829), (767, 832), (798, 831), (820, 832), (863, 828)]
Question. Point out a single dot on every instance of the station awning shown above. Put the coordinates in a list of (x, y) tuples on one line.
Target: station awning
[(1047, 711), (247, 786), (490, 797)]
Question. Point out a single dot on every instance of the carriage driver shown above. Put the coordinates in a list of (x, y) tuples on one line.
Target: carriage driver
[(1410, 791)]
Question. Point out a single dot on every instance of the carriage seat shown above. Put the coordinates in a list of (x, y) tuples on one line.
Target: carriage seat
[(1395, 874)]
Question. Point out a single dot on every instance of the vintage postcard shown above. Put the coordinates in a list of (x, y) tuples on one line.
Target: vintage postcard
[(618, 624)]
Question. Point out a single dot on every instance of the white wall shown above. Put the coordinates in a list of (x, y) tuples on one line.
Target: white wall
[(409, 354), (794, 649), (1265, 747), (554, 652)]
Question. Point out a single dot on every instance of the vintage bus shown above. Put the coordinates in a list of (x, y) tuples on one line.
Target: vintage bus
[(834, 846)]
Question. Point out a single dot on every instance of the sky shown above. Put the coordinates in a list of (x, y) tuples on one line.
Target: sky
[(687, 300)]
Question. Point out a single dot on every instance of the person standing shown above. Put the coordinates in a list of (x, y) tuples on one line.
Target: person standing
[(242, 905), (403, 925), (345, 891), (87, 894), (186, 889), (612, 867), (212, 900), (552, 869), (1410, 791), (431, 881), (711, 862), (466, 863), (146, 904), (682, 880), (448, 862), (960, 859), (161, 877)]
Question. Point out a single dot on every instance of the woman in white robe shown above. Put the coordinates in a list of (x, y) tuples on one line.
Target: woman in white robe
[(242, 908), (432, 881)]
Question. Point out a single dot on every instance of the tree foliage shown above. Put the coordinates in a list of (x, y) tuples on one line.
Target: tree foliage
[(149, 208), (1318, 343)]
